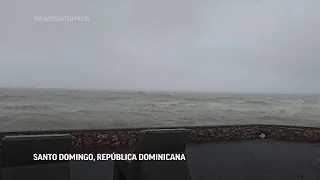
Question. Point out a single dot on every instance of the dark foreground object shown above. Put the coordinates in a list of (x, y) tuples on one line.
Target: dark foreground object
[(256, 159), (17, 161), (248, 160), (156, 142)]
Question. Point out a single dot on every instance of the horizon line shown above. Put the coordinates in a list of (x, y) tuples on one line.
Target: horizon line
[(153, 90)]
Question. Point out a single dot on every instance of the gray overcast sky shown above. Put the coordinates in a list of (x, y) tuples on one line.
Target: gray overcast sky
[(203, 45)]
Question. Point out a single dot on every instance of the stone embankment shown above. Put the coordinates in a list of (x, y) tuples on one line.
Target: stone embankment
[(113, 139)]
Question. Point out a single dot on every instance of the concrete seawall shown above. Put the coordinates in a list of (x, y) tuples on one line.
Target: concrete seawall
[(120, 139)]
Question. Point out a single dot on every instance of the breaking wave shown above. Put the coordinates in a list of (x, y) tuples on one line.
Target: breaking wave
[(27, 107), (83, 111), (9, 97), (256, 102), (213, 99)]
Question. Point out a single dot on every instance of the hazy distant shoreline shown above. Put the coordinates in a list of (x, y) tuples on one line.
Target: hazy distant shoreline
[(150, 91)]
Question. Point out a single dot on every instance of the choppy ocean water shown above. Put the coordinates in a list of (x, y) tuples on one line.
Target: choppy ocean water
[(46, 109)]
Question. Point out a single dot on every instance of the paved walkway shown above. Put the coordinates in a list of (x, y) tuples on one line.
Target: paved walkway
[(247, 160)]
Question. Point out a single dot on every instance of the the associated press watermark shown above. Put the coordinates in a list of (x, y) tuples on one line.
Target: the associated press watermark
[(61, 18)]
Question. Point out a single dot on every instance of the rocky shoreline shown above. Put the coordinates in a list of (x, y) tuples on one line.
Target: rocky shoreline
[(113, 139)]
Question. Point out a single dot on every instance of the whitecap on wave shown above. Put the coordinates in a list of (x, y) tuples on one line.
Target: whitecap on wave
[(27, 107)]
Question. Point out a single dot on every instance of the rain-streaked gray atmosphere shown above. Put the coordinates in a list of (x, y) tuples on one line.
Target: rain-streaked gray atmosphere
[(265, 46)]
